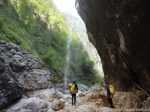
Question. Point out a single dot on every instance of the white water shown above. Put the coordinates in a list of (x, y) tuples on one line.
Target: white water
[(66, 72)]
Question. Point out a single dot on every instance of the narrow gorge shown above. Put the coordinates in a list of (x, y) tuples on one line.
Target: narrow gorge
[(40, 54)]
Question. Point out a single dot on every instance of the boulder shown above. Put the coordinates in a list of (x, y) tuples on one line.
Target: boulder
[(34, 79), (126, 100), (57, 105), (83, 87), (29, 105), (19, 71)]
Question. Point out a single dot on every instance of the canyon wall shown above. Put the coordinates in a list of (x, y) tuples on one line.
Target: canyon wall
[(120, 32)]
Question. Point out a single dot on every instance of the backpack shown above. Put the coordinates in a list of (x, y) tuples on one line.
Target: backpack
[(112, 89), (72, 88)]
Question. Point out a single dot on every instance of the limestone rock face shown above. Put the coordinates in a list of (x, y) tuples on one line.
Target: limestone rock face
[(119, 29), (34, 79), (10, 88), (29, 105), (19, 70)]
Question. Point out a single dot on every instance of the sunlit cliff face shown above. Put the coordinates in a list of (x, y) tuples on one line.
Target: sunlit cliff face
[(120, 32)]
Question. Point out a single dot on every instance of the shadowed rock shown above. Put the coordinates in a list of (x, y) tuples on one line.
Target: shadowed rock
[(10, 89), (119, 29)]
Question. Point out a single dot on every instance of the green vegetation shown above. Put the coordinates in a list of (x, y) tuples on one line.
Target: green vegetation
[(37, 26)]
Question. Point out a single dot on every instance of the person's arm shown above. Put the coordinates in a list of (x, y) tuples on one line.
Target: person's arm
[(77, 87)]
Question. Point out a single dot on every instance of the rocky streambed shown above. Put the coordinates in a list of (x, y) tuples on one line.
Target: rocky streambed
[(92, 100), (26, 87)]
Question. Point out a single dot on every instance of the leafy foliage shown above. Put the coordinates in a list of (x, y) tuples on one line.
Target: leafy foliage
[(37, 26)]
